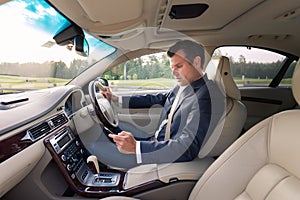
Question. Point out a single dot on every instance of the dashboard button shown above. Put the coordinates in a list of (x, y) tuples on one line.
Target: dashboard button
[(63, 157)]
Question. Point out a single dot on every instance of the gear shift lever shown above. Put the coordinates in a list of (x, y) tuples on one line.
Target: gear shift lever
[(94, 160)]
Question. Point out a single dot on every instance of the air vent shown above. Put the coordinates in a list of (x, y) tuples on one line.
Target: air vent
[(45, 127), (59, 120), (39, 130)]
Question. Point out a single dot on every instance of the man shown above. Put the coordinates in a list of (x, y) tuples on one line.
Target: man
[(187, 111)]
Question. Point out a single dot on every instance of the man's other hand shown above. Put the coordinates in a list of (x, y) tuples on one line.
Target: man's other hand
[(125, 142)]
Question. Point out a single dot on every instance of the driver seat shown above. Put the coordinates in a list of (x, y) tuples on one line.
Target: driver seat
[(230, 126)]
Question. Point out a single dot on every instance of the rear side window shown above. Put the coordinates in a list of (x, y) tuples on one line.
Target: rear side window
[(287, 79), (252, 66)]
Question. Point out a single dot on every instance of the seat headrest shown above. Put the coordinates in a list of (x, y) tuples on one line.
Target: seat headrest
[(296, 83), (219, 71)]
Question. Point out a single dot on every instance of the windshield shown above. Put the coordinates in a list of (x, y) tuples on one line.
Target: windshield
[(29, 57)]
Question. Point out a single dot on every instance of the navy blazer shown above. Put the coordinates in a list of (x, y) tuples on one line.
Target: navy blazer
[(191, 122)]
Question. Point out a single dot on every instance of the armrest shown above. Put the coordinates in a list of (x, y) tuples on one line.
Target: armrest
[(167, 172), (139, 175), (192, 170)]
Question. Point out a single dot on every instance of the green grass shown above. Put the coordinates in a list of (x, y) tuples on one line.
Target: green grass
[(251, 81), (286, 81), (26, 83)]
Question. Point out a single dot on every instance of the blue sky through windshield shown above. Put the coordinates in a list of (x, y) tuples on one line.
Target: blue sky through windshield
[(37, 13), (27, 34)]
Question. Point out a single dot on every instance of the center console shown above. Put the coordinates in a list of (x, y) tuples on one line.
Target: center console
[(70, 155)]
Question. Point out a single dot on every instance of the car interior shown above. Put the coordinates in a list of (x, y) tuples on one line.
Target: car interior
[(47, 136)]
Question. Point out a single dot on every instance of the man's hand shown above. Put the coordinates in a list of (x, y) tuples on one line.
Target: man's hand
[(109, 95), (125, 142)]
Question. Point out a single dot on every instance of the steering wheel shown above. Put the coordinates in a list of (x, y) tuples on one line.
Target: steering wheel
[(103, 109)]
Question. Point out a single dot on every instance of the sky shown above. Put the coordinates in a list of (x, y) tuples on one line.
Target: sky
[(28, 25), (22, 43), (253, 55)]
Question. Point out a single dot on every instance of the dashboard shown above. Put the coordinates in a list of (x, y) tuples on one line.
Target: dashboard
[(42, 125), (36, 105), (41, 134), (27, 118), (74, 103)]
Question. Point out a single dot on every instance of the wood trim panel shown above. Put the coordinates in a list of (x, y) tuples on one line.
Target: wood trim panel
[(13, 145)]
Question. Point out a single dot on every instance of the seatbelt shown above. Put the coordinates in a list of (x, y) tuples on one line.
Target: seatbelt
[(170, 116)]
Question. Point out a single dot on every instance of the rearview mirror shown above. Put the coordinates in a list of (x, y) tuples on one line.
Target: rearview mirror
[(73, 35)]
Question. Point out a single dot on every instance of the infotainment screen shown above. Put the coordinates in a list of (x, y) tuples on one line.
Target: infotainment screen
[(64, 140)]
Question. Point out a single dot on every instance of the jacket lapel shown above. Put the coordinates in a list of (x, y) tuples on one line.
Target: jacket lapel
[(190, 90)]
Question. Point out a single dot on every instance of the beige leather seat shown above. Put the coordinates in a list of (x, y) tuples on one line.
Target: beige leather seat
[(263, 164), (230, 127)]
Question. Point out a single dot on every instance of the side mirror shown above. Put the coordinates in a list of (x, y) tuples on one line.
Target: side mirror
[(103, 81), (73, 35)]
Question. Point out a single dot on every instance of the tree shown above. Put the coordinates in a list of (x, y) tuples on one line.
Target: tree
[(59, 69), (242, 59)]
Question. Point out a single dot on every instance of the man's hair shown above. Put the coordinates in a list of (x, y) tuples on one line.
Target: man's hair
[(190, 48)]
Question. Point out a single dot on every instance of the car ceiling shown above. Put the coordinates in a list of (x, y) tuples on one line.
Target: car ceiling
[(265, 23)]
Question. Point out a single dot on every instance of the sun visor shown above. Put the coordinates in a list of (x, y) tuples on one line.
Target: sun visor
[(187, 11)]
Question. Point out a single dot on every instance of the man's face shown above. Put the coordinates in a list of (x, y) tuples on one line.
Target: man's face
[(183, 71)]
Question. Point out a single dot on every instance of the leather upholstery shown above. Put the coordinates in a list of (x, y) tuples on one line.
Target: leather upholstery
[(230, 126), (218, 69), (262, 164)]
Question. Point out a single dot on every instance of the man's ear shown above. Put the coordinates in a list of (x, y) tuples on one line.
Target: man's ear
[(197, 63)]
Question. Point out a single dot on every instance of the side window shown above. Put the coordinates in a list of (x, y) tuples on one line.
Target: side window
[(252, 66), (287, 79), (148, 73)]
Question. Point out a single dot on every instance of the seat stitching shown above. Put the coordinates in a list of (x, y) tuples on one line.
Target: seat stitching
[(269, 137), (231, 106), (280, 181)]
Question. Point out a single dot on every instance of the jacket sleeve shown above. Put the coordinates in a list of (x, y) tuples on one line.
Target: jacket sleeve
[(143, 101)]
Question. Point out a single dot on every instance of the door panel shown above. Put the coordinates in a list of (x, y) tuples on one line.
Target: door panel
[(143, 119), (262, 102)]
